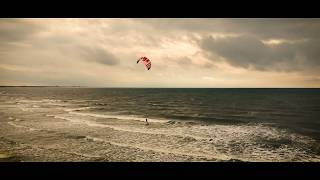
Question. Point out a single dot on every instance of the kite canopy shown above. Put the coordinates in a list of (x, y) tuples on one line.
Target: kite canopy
[(146, 62)]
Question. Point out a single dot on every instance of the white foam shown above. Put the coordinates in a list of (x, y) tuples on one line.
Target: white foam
[(28, 101), (198, 132), (92, 100), (224, 138), (121, 117), (50, 100), (25, 127), (84, 154), (213, 141), (26, 109), (161, 150), (77, 109), (36, 103), (143, 130)]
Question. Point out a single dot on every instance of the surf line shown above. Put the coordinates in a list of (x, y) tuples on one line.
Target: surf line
[(19, 126), (160, 150), (92, 124)]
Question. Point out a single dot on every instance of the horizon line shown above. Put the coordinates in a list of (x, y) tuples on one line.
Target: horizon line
[(58, 86)]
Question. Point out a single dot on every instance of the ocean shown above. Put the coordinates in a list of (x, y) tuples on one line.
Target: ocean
[(185, 124)]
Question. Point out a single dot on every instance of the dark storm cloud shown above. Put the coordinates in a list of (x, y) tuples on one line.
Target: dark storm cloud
[(300, 49), (263, 28), (246, 51), (274, 28)]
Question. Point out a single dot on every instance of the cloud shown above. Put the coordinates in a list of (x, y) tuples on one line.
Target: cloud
[(30, 44), (251, 52), (15, 30), (102, 52), (97, 54), (287, 28), (185, 61), (278, 28)]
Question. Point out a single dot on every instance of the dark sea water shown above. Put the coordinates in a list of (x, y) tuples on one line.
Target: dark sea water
[(108, 124)]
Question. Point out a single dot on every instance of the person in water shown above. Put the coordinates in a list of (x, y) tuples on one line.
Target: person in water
[(147, 120)]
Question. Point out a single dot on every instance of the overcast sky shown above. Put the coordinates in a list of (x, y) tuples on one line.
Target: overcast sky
[(184, 52)]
